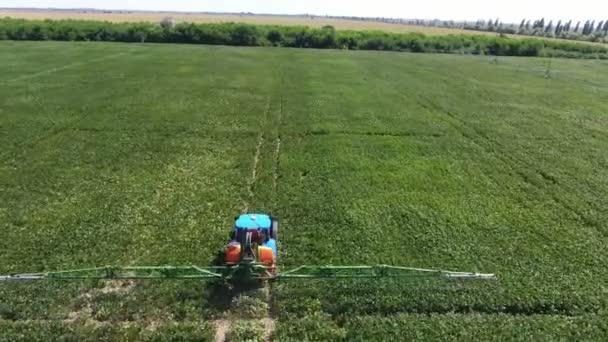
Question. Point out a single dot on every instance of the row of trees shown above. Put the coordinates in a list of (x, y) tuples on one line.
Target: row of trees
[(590, 30), (290, 36)]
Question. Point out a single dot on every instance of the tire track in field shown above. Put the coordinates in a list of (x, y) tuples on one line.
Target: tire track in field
[(254, 172), (65, 67), (269, 322), (277, 151), (224, 326), (265, 292), (256, 161), (373, 134), (251, 305)]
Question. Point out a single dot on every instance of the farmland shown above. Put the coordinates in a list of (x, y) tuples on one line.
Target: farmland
[(138, 154), (155, 17), (340, 24)]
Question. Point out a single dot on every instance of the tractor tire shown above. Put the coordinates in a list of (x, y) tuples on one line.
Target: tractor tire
[(274, 230)]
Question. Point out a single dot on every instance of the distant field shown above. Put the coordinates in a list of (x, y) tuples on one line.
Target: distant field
[(140, 154), (220, 18)]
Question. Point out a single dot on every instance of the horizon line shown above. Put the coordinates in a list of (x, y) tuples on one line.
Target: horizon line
[(241, 13)]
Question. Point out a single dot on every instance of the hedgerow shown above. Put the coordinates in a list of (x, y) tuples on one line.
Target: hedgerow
[(291, 36)]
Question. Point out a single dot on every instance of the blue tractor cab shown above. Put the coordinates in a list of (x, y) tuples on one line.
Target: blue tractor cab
[(255, 228), (257, 222), (253, 221)]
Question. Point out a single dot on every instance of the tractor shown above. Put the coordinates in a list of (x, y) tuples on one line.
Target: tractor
[(253, 242), (250, 255)]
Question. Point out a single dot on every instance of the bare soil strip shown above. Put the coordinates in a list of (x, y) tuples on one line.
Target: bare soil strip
[(221, 329), (85, 312)]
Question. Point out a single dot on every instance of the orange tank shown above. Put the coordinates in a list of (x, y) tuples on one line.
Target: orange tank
[(265, 255), (233, 253)]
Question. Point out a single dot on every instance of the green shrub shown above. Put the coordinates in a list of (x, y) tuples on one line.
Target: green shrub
[(290, 36), (274, 37)]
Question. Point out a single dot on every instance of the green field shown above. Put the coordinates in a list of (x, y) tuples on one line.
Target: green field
[(142, 154)]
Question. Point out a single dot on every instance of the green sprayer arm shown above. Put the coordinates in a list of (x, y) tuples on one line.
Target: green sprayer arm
[(127, 272), (250, 271), (377, 271)]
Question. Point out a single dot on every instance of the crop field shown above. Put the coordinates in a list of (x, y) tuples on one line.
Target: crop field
[(132, 154), (155, 17)]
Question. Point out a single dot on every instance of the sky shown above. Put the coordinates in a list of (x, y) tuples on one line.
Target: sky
[(507, 11)]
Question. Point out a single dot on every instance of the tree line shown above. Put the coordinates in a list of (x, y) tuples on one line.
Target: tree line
[(590, 30), (291, 36)]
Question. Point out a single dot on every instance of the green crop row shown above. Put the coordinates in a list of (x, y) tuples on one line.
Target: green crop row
[(467, 174), (142, 155), (121, 160), (62, 331), (454, 327)]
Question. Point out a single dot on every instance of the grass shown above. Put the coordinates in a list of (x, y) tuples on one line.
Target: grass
[(142, 154)]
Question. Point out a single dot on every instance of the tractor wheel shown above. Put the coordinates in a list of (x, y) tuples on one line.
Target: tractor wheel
[(274, 230)]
